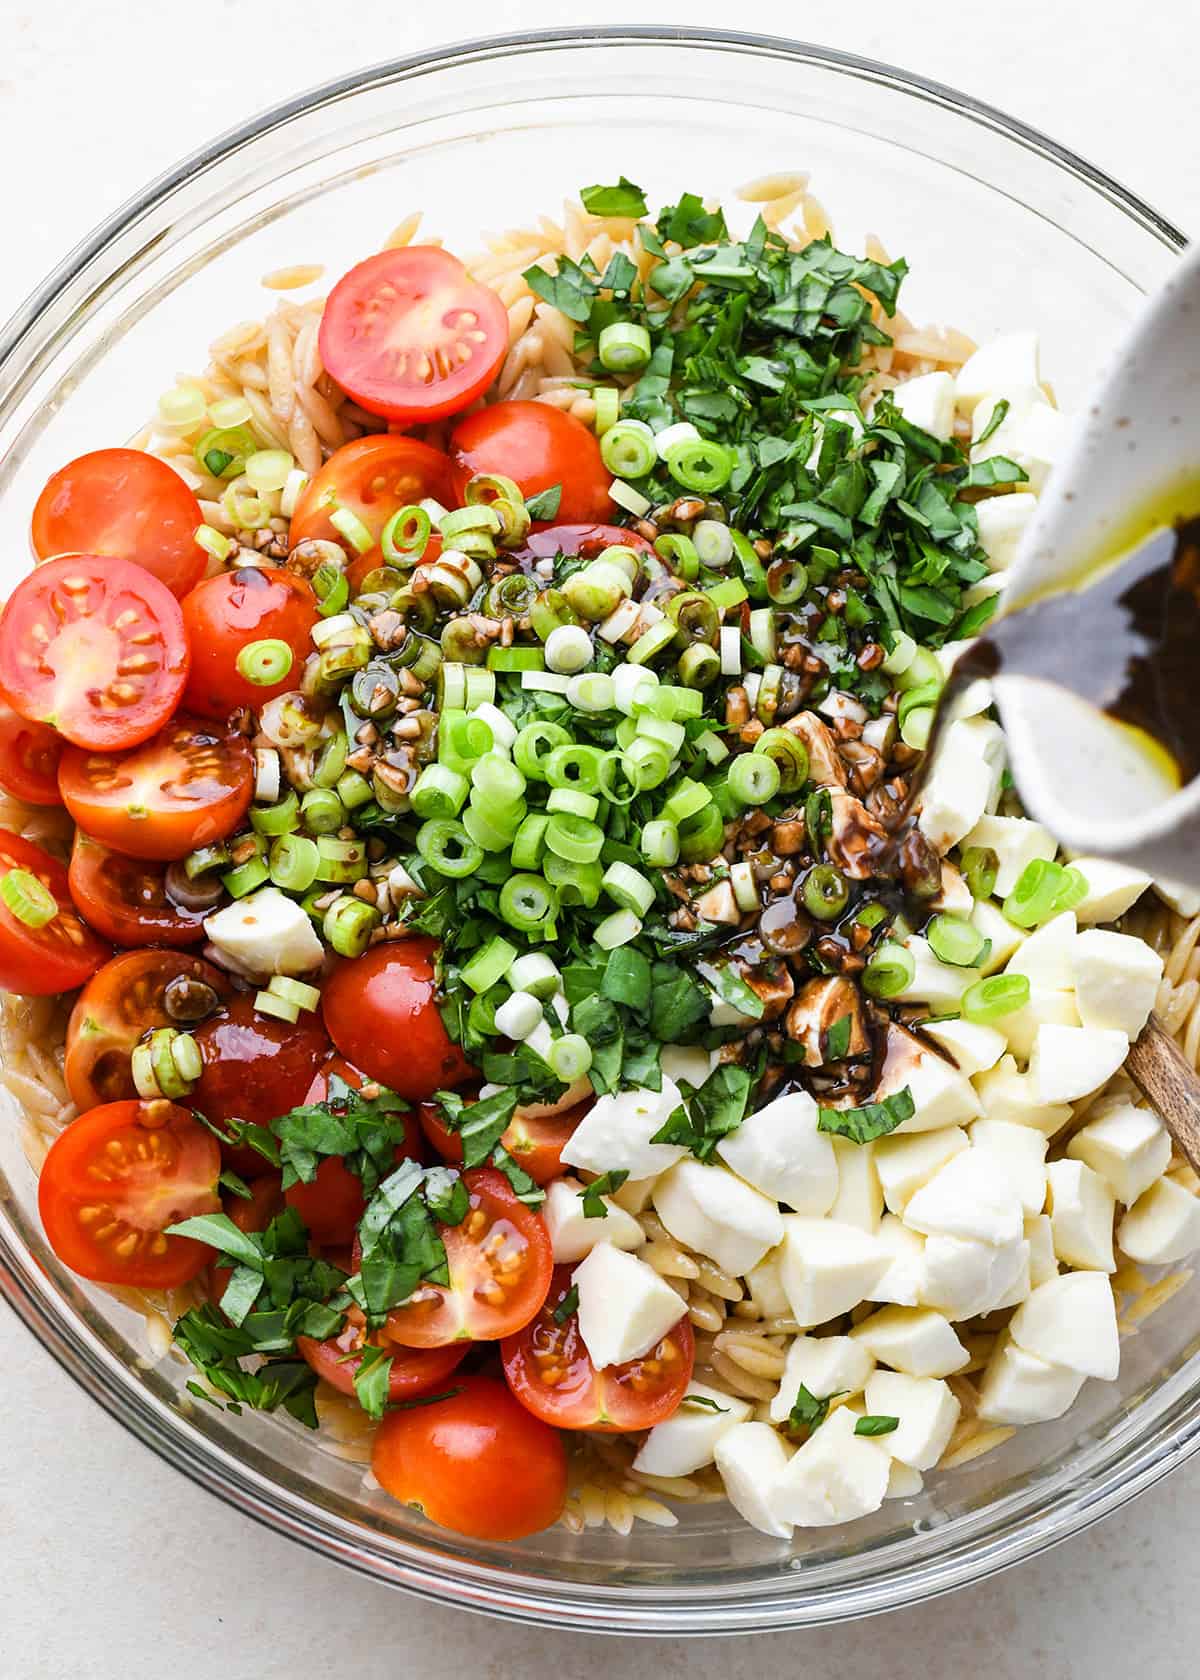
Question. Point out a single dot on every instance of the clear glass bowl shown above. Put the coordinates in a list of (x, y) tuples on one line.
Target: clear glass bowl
[(1000, 228)]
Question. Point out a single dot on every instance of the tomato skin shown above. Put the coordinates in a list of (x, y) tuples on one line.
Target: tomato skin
[(374, 477), (126, 900), (539, 447), (121, 1002), (129, 1168), (186, 787), (414, 1371), (95, 648), (636, 1395), (255, 1068), (550, 541), (477, 1463), (381, 1012), (126, 504), (54, 958), (402, 311), (226, 613), (29, 755), (536, 1144)]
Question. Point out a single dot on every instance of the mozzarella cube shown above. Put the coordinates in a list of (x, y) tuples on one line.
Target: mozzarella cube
[(710, 1210), (963, 781), (1069, 1062), (687, 1061), (1162, 1225), (1128, 1146), (973, 1048), (1007, 1094), (625, 1308), (824, 1365), (1019, 1388), (266, 933), (1017, 842), (927, 1411), (928, 402), (915, 1340), (635, 1195), (835, 1477), (1043, 1262), (907, 1161), (750, 1459), (935, 983), (904, 1279), (903, 1481), (859, 1199), (1003, 521), (1018, 1154), (1081, 1208), (967, 1198), (1010, 1276), (1071, 1321), (765, 1283), (1116, 980), (1033, 434), (687, 1440), (1047, 958), (1006, 937), (1009, 363), (964, 1277), (572, 1234), (827, 1267), (1113, 888), (780, 1151), (942, 1096), (954, 895), (1184, 900), (616, 1131), (1020, 1026)]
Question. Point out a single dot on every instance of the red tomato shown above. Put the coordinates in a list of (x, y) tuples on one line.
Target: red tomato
[(539, 447), (255, 1068), (414, 1370), (411, 336), (112, 1183), (59, 955), (186, 787), (332, 1205), (476, 1462), (374, 477), (588, 540), (381, 1011), (126, 899), (255, 1214), (127, 504), (129, 997), (500, 1265), (550, 1372), (29, 755), (536, 1144), (95, 648), (224, 614)]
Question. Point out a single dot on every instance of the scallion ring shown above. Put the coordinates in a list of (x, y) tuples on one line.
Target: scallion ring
[(448, 849), (265, 662), (27, 898)]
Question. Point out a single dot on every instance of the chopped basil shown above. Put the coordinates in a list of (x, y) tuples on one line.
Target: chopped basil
[(809, 1412), (545, 504), (235, 1184), (591, 1195), (702, 1402), (363, 1132), (878, 1425), (371, 1379), (622, 200), (837, 1040), (873, 1120), (525, 1189), (446, 1195), (480, 1125), (567, 1307), (710, 1113)]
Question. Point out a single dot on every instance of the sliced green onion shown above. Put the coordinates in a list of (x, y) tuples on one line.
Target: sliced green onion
[(489, 964), (280, 818), (627, 449), (623, 347), (533, 745), (497, 780), (647, 764), (917, 727), (574, 803), (714, 542), (890, 971), (293, 862), (1072, 892), (990, 1000), (569, 649), (347, 524), (825, 892), (591, 692), (485, 487), (762, 633), (745, 886), (954, 940), (348, 925), (669, 735), (331, 586), (447, 848), (750, 567), (617, 929), (730, 592), (789, 755), (494, 830), (574, 839), (575, 766), (901, 657), (570, 1057), (529, 842), (700, 465), (321, 811), (205, 858), (679, 551), (627, 888), (660, 843), (607, 399), (596, 590), (526, 902), (340, 860), (980, 866), (657, 639), (686, 799), (694, 616), (924, 694), (439, 792), (294, 991), (476, 516), (268, 469), (575, 883), (754, 778), (515, 659), (616, 780), (699, 665), (670, 701), (787, 581), (536, 974), (27, 898), (353, 789), (922, 668), (246, 877), (701, 836), (265, 662), (1034, 897), (628, 498), (224, 450), (213, 542)]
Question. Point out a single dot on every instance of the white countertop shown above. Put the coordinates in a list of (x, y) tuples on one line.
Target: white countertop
[(113, 1566)]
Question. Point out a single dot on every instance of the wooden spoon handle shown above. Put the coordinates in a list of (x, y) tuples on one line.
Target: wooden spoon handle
[(1160, 1069)]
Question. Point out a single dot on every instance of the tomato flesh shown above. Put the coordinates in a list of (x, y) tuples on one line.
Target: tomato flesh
[(254, 1069), (63, 952), (414, 1371), (539, 447), (381, 1012), (225, 614), (29, 755), (126, 899), (95, 648), (373, 477), (535, 1142), (112, 1183)]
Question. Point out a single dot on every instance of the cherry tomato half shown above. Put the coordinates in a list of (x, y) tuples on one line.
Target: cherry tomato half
[(410, 335), (59, 955), (255, 1068), (29, 755), (112, 1183), (95, 648), (476, 1462), (127, 504), (550, 1372), (414, 1371), (539, 447), (535, 1142), (126, 899), (130, 996), (225, 614), (374, 477), (381, 1011)]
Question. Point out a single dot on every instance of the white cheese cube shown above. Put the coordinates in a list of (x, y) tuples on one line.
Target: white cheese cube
[(266, 933), (915, 1340), (1033, 434), (635, 1194), (907, 1161), (625, 1308), (1162, 1225), (710, 1210), (1017, 842), (903, 1481), (1002, 524), (1069, 1062), (967, 1198), (1007, 364), (1011, 1276), (859, 1199), (1007, 1094), (824, 1365), (1071, 1321), (1113, 888), (962, 782), (687, 1440), (765, 1283), (964, 1277), (686, 1061), (954, 895), (1020, 1026), (973, 1048), (572, 1234), (1043, 1262), (750, 1459), (780, 1151), (904, 1279), (937, 984), (1019, 1388), (1018, 1154), (1128, 1146), (942, 1096), (927, 1411), (1081, 1206), (928, 402), (835, 1477), (1116, 980), (615, 1133), (827, 1267), (1005, 936), (1047, 958), (1184, 900)]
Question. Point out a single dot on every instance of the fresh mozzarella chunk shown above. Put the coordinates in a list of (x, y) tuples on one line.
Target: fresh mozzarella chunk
[(1068, 1062), (780, 1151), (1162, 1225), (1116, 980), (1002, 524), (928, 401), (903, 1481), (687, 1440), (827, 1267), (1020, 1026), (687, 1061), (635, 1194), (1184, 900), (1009, 363), (1017, 1153), (942, 1096), (1010, 1276), (1016, 841), (954, 895), (1047, 958), (824, 1365), (750, 1459), (915, 1340), (765, 1283), (715, 1213), (962, 782), (972, 1047), (835, 1477), (1113, 888), (616, 1131), (1019, 1388), (1081, 1208), (964, 1277), (266, 933), (860, 1197), (1128, 1146), (1005, 936), (927, 1411), (1043, 1262), (1032, 434), (625, 1308), (904, 1279), (906, 1162), (1071, 1321), (939, 985), (1007, 1094), (572, 1234), (967, 1198)]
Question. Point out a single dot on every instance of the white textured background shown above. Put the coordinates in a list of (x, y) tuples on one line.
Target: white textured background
[(112, 1566)]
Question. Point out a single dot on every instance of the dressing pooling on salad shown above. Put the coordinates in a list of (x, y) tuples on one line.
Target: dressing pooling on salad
[(560, 1013)]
